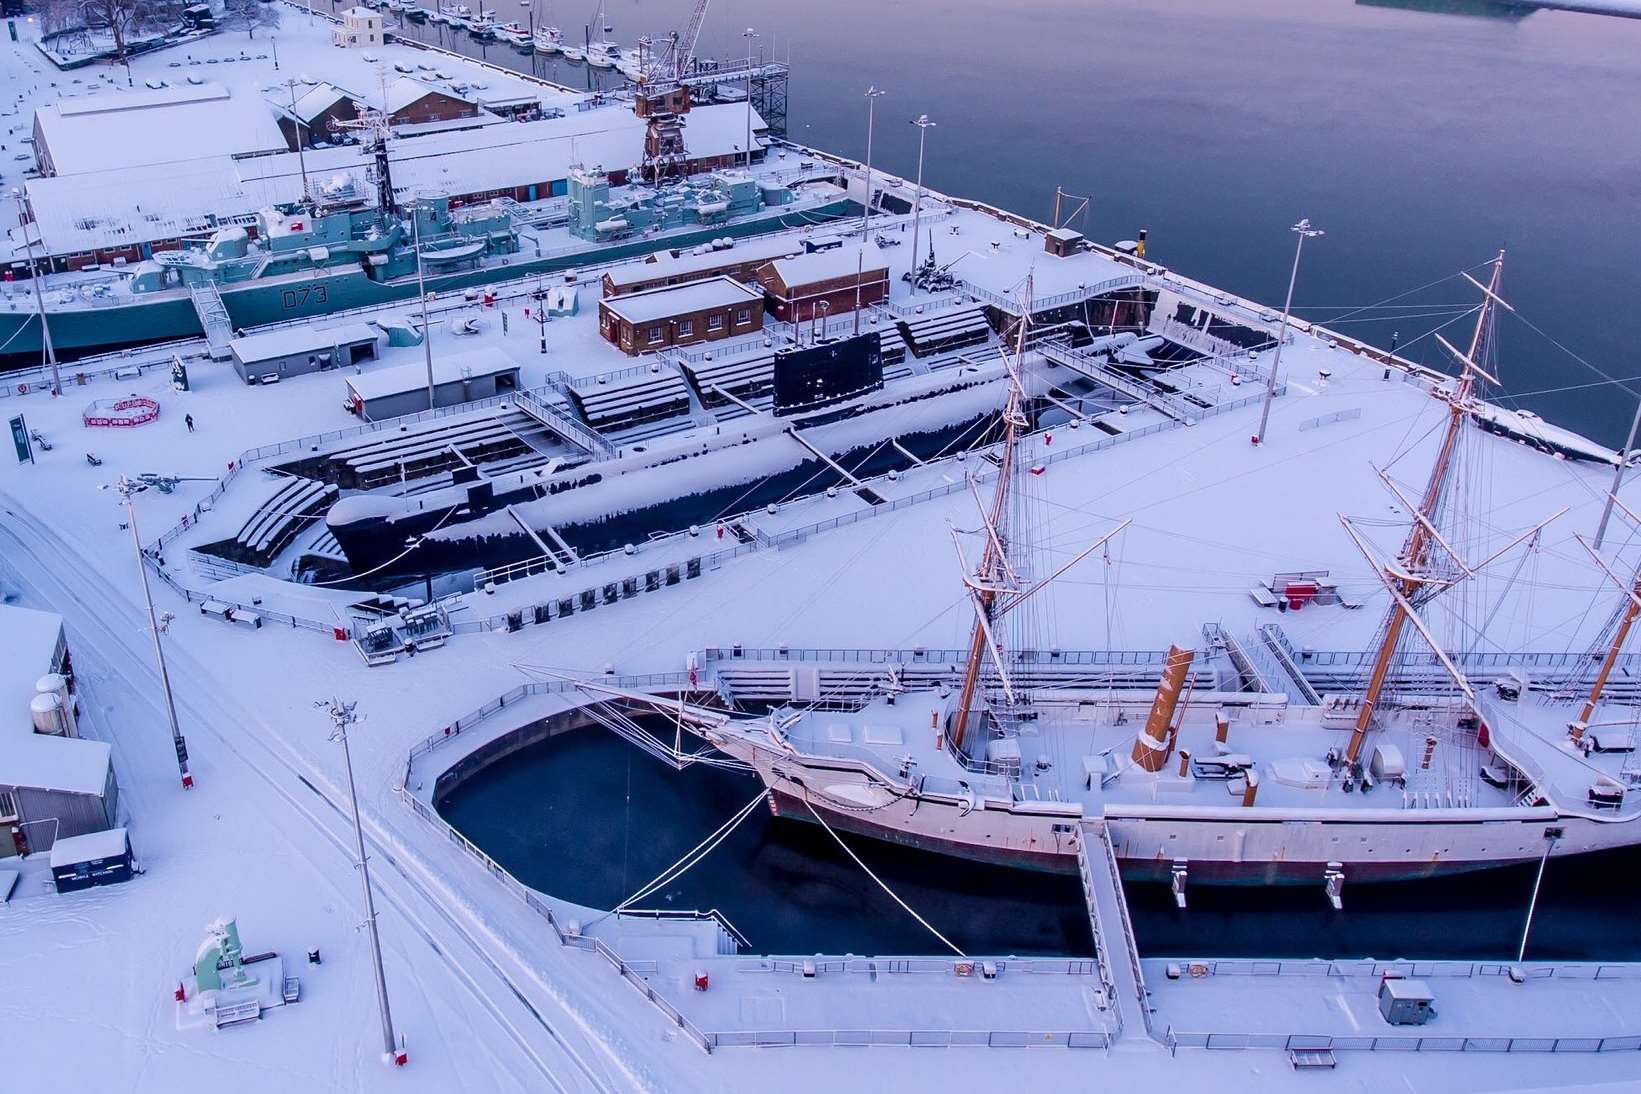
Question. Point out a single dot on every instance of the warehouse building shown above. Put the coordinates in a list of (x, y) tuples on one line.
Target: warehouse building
[(459, 378), (299, 350), (52, 783), (682, 315)]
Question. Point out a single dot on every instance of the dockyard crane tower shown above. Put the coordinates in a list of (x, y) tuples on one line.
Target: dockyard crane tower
[(662, 97)]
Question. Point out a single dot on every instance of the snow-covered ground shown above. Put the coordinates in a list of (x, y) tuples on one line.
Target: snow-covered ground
[(485, 997)]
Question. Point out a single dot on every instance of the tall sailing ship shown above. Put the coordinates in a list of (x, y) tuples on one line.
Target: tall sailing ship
[(1411, 775)]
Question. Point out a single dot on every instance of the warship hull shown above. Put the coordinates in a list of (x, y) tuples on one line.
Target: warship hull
[(82, 331)]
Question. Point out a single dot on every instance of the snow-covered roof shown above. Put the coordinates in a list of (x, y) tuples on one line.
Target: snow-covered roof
[(72, 850), (404, 91), (667, 265), (315, 101), (28, 639), (300, 338), (664, 303), (807, 269), (164, 200), (70, 764), (382, 383), (109, 133)]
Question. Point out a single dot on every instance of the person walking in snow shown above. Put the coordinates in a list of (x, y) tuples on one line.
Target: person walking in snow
[(189, 419)]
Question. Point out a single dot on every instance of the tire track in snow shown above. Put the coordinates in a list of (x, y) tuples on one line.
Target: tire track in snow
[(93, 606)]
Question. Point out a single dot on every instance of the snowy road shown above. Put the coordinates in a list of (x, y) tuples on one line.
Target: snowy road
[(196, 871)]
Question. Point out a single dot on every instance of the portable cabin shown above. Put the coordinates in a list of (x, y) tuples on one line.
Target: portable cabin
[(97, 858)]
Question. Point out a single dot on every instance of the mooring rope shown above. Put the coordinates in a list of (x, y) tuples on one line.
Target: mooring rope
[(691, 857), (874, 877)]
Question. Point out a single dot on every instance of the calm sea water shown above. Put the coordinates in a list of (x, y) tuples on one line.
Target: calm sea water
[(1421, 142), (587, 817)]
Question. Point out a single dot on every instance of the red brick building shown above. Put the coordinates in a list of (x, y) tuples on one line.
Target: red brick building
[(680, 315), (809, 286)]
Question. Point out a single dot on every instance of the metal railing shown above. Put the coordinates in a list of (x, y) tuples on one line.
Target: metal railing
[(629, 970)]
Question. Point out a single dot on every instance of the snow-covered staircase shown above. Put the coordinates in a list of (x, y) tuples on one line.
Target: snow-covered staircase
[(213, 318)]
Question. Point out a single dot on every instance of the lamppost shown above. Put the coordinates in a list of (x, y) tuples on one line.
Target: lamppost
[(923, 126), (1304, 231), (751, 36), (421, 290), (273, 41), (872, 94), (39, 300), (342, 715), (127, 490)]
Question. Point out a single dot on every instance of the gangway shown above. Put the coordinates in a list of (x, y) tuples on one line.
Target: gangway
[(213, 318), (1089, 365), (1114, 946), (531, 402)]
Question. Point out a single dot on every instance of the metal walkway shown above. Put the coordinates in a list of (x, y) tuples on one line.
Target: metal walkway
[(213, 318), (561, 423), (1093, 367), (1114, 945)]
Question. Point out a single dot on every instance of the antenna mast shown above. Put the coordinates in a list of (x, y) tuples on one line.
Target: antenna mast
[(1407, 572)]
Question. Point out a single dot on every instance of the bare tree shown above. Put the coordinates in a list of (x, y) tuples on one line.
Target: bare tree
[(249, 14), (122, 18)]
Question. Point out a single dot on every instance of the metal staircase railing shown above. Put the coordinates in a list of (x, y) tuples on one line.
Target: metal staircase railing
[(213, 318)]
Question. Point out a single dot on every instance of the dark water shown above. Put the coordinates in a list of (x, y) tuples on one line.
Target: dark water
[(589, 818), (1421, 142)]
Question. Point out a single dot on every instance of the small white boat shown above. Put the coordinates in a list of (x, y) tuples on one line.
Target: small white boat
[(547, 40), (600, 57), (574, 53), (631, 69), (513, 34)]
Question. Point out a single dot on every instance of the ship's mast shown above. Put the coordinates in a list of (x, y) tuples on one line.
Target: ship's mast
[(1632, 610), (993, 571), (1416, 552)]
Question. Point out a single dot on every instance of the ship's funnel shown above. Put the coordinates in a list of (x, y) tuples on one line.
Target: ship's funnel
[(1152, 744)]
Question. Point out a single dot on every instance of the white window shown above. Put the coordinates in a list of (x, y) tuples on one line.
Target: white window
[(715, 322), (655, 335), (8, 806), (686, 327), (743, 315)]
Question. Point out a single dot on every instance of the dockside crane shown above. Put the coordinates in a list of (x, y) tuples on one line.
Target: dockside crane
[(662, 97)]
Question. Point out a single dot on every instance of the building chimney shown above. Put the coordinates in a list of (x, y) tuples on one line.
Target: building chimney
[(1184, 763), (1250, 789), (1222, 727), (1152, 743)]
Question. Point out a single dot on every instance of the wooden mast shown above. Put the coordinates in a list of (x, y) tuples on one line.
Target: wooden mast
[(1632, 610), (1416, 551), (993, 564)]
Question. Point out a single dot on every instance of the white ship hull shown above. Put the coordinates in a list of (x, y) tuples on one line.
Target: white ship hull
[(1237, 846)]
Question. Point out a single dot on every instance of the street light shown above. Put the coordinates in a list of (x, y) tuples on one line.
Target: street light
[(872, 94), (127, 490), (751, 36), (923, 126), (342, 715), (1304, 231)]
